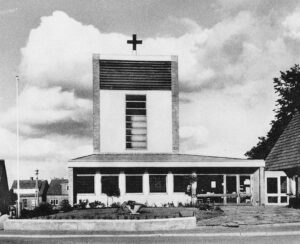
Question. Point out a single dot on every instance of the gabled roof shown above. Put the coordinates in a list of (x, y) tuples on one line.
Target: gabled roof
[(286, 152), (30, 184), (55, 186)]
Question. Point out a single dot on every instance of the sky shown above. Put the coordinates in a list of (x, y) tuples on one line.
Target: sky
[(229, 51)]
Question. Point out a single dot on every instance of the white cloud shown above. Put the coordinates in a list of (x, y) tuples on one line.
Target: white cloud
[(292, 25), (225, 73), (43, 107)]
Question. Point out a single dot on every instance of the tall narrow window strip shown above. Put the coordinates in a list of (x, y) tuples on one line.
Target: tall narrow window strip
[(136, 122)]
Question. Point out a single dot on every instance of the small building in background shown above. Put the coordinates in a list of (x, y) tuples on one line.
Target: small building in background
[(285, 157), (57, 192), (4, 193), (28, 197)]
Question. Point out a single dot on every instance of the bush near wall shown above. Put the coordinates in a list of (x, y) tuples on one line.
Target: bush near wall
[(294, 202), (42, 210)]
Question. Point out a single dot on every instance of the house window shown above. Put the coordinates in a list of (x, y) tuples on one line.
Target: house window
[(207, 184), (134, 184), (272, 185), (54, 202), (277, 189), (157, 183), (245, 189), (85, 184), (110, 184), (136, 122), (283, 184), (181, 183), (25, 205)]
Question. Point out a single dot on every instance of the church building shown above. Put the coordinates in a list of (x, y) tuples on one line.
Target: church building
[(136, 143)]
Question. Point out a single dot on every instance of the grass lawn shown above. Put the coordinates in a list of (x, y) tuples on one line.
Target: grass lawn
[(145, 213)]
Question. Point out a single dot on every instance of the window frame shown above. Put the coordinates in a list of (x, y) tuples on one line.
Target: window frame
[(187, 176), (281, 200), (90, 185), (165, 185), (129, 99), (109, 176), (134, 192)]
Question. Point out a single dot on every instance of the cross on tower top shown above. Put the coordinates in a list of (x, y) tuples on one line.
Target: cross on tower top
[(134, 42)]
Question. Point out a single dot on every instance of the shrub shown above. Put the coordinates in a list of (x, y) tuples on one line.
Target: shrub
[(96, 204), (44, 209), (65, 205), (81, 205), (115, 205), (171, 205), (205, 206), (294, 202), (217, 208), (180, 204)]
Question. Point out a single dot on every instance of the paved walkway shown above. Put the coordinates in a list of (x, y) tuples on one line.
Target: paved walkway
[(249, 215)]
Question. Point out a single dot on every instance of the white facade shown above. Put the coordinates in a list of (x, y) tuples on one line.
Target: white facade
[(136, 133), (113, 121)]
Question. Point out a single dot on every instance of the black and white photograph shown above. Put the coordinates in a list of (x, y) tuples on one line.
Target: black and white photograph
[(150, 121)]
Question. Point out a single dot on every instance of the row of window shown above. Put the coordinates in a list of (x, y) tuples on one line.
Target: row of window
[(54, 202), (134, 184), (206, 184)]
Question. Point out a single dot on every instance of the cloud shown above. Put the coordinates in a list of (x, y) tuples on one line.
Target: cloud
[(225, 73), (292, 25), (51, 110)]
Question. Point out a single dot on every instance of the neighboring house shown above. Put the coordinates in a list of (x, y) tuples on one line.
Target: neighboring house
[(58, 191), (28, 197), (4, 193), (136, 143), (285, 156)]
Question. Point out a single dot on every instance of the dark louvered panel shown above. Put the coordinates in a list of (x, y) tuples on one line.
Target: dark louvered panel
[(135, 75)]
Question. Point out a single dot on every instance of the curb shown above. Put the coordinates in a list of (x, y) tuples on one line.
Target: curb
[(228, 234), (101, 225), (251, 225)]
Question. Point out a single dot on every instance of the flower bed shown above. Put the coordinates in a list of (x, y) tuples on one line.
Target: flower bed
[(145, 213)]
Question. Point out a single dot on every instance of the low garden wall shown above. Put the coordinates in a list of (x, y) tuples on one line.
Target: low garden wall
[(100, 225)]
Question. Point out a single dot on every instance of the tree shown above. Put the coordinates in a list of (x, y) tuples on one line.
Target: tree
[(287, 86)]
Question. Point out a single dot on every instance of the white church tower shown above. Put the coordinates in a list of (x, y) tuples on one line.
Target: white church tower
[(135, 104)]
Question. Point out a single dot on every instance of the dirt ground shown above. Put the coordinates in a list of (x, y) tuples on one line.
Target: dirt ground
[(250, 215)]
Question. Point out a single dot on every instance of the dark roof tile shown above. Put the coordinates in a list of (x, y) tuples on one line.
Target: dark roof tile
[(286, 152), (55, 186)]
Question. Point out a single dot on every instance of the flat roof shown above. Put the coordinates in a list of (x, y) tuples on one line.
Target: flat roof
[(136, 57), (160, 160)]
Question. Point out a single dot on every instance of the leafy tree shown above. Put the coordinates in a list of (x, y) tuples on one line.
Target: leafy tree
[(287, 86)]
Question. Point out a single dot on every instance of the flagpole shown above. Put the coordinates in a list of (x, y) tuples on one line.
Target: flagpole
[(18, 149)]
